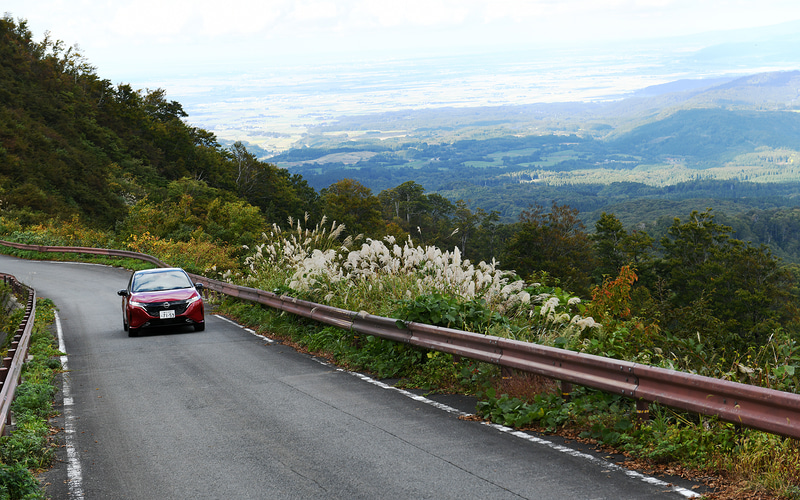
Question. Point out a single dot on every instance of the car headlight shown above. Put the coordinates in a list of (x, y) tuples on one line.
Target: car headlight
[(192, 300), (133, 303)]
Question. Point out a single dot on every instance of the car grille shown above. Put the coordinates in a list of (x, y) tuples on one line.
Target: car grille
[(179, 306)]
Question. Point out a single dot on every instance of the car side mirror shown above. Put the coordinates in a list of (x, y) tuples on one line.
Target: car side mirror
[(122, 293), (199, 286)]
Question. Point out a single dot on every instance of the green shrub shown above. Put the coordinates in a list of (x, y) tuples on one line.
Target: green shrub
[(441, 310), (16, 482), (28, 443), (33, 399), (385, 358), (545, 410), (28, 446), (442, 373), (673, 437)]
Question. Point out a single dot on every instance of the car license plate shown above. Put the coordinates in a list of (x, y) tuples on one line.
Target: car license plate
[(168, 314)]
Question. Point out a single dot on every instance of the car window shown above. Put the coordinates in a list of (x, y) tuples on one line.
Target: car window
[(166, 280)]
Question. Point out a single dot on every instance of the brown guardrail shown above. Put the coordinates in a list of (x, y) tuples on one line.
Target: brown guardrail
[(757, 407), (18, 349)]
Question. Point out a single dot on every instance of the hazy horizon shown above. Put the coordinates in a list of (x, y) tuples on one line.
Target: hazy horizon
[(264, 72), (130, 40)]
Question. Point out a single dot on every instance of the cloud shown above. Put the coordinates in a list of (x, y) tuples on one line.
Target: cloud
[(413, 13), (241, 17), (148, 19), (120, 32), (314, 11), (139, 21)]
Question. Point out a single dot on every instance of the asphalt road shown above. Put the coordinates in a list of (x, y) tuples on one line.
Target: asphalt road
[(224, 414)]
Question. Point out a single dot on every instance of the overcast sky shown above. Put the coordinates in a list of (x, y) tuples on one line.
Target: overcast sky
[(124, 39)]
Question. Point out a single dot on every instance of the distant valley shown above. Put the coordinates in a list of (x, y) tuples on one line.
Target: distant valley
[(692, 122), (277, 108), (732, 139)]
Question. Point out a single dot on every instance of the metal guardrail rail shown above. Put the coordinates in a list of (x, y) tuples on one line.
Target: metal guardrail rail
[(760, 408), (11, 368)]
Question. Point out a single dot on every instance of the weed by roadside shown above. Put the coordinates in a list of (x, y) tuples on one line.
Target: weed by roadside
[(27, 446), (426, 285)]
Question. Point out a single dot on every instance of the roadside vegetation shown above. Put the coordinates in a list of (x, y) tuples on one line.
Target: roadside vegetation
[(27, 448), (618, 319), (85, 163)]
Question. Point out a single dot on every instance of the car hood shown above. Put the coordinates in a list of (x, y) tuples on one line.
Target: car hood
[(164, 295)]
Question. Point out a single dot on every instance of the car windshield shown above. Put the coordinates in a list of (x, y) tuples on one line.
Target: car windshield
[(164, 280)]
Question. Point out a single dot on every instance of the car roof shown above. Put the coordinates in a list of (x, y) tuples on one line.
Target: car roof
[(158, 270)]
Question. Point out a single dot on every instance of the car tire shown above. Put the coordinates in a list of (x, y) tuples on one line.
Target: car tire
[(199, 327), (124, 325)]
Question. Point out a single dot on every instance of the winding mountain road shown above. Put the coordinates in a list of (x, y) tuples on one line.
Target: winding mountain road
[(225, 414)]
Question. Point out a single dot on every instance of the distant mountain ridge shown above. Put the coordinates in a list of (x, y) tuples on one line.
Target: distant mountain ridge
[(732, 138), (780, 88), (687, 85), (772, 91), (711, 136)]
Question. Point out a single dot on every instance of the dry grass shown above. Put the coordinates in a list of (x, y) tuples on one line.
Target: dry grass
[(525, 386)]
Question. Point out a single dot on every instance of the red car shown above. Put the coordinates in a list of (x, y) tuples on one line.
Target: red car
[(161, 297)]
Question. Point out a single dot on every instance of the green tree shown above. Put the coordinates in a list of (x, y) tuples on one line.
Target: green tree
[(743, 288), (352, 204), (608, 239), (488, 238), (614, 248), (247, 170), (403, 203), (265, 185), (695, 255), (426, 217), (233, 222), (554, 242)]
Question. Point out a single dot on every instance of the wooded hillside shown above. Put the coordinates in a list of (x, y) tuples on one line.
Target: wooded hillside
[(73, 143)]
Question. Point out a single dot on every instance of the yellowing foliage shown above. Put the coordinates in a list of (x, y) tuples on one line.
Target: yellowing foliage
[(198, 256)]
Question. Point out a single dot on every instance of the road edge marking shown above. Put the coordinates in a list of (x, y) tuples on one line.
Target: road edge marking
[(248, 330), (687, 493), (74, 471), (523, 435)]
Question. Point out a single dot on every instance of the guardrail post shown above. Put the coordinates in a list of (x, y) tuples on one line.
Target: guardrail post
[(566, 390), (6, 367), (642, 411), (10, 420)]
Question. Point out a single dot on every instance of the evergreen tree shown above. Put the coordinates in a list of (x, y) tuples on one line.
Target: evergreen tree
[(742, 287), (614, 247), (554, 242)]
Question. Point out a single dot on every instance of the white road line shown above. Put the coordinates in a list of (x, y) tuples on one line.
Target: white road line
[(606, 465), (74, 473), (248, 330)]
